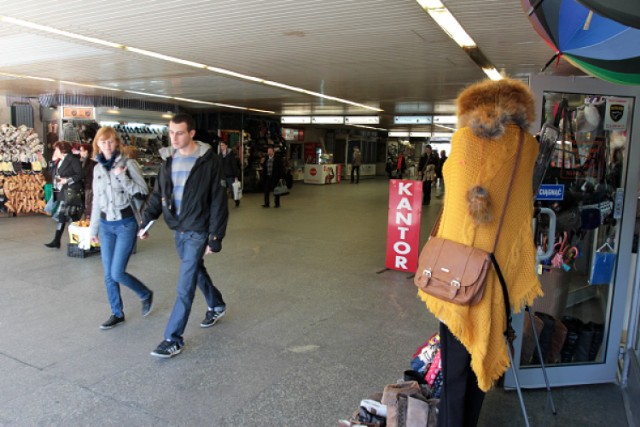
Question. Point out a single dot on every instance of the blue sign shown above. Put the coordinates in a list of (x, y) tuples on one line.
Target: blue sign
[(551, 192)]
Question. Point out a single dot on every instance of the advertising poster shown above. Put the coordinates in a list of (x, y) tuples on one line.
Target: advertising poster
[(403, 229)]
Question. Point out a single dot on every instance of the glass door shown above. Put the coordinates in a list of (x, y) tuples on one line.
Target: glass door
[(579, 320)]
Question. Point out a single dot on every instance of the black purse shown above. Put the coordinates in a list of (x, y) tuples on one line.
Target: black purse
[(73, 197)]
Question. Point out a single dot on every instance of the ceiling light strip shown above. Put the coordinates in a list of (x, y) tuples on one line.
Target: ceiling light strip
[(173, 59), (52, 30), (134, 92), (450, 25)]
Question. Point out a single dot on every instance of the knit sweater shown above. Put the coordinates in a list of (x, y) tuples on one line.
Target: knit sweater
[(489, 162)]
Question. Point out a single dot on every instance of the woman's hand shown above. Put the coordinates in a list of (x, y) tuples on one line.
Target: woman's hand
[(119, 170), (94, 239)]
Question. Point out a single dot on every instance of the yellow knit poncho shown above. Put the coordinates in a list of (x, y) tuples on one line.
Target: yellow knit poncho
[(489, 162), (483, 152)]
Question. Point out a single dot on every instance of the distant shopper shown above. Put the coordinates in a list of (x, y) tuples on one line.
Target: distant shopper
[(116, 179), (67, 177), (356, 161), (272, 172), (401, 166), (88, 164), (189, 195), (428, 173), (439, 169), (230, 167)]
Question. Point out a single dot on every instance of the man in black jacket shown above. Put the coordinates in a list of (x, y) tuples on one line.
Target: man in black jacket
[(272, 172), (188, 192), (230, 168)]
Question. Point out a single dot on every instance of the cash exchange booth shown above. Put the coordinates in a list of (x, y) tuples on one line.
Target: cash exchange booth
[(591, 185)]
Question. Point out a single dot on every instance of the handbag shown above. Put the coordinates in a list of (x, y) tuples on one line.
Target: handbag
[(602, 266), (281, 188), (455, 272), (237, 190), (73, 197)]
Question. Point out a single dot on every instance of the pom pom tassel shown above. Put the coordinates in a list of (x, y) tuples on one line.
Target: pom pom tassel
[(479, 205)]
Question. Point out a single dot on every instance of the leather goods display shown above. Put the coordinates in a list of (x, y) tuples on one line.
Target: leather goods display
[(455, 272)]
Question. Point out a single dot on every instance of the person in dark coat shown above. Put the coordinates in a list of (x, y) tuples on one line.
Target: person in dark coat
[(230, 167), (67, 174), (272, 172), (86, 151)]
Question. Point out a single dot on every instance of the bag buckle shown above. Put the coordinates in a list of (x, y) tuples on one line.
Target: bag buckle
[(455, 283)]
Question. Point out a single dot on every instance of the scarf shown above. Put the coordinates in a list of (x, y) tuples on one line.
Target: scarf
[(107, 163)]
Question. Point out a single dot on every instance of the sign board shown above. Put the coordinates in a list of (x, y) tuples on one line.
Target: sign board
[(551, 192), (403, 226), (85, 113), (616, 114)]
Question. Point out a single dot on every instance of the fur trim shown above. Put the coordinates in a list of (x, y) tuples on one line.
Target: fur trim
[(479, 205), (488, 106)]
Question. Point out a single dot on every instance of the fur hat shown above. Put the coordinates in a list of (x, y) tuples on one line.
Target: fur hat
[(487, 106)]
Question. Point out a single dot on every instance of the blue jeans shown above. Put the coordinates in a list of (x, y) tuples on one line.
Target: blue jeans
[(191, 246), (117, 239)]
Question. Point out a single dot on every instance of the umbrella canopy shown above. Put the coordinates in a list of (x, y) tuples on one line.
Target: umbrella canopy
[(626, 12), (599, 46)]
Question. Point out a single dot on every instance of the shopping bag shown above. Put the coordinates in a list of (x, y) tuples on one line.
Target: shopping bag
[(602, 267), (237, 190), (281, 188)]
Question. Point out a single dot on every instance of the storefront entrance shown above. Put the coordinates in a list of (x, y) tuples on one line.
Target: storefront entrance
[(591, 185)]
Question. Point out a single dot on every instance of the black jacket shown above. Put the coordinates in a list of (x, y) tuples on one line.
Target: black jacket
[(277, 171), (69, 168), (230, 164), (204, 201)]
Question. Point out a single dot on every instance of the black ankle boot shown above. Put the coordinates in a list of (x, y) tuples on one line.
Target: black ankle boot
[(55, 243)]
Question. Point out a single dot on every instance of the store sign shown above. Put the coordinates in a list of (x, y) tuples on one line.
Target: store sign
[(86, 113), (616, 114), (403, 228), (551, 192)]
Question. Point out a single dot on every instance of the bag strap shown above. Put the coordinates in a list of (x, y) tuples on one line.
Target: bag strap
[(509, 332), (513, 175)]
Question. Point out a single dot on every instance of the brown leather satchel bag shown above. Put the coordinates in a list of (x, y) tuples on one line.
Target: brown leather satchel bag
[(455, 272)]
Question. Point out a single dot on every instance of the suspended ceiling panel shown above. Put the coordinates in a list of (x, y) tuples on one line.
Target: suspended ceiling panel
[(386, 54)]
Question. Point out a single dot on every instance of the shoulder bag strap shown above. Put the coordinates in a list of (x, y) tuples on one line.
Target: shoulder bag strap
[(513, 175)]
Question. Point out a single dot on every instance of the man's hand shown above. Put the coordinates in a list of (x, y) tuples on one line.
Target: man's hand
[(214, 245)]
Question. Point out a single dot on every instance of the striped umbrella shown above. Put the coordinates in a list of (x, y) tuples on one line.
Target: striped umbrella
[(597, 45)]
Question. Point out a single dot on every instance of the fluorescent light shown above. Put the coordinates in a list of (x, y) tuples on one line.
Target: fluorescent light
[(447, 22), (369, 127), (362, 120), (441, 135), (327, 120), (52, 30), (164, 57), (198, 65), (419, 134), (167, 116), (24, 76), (135, 92), (445, 120), (89, 86), (446, 127), (398, 134), (412, 120), (295, 119), (492, 73)]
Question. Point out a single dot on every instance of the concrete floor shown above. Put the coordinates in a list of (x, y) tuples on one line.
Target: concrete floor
[(310, 330)]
